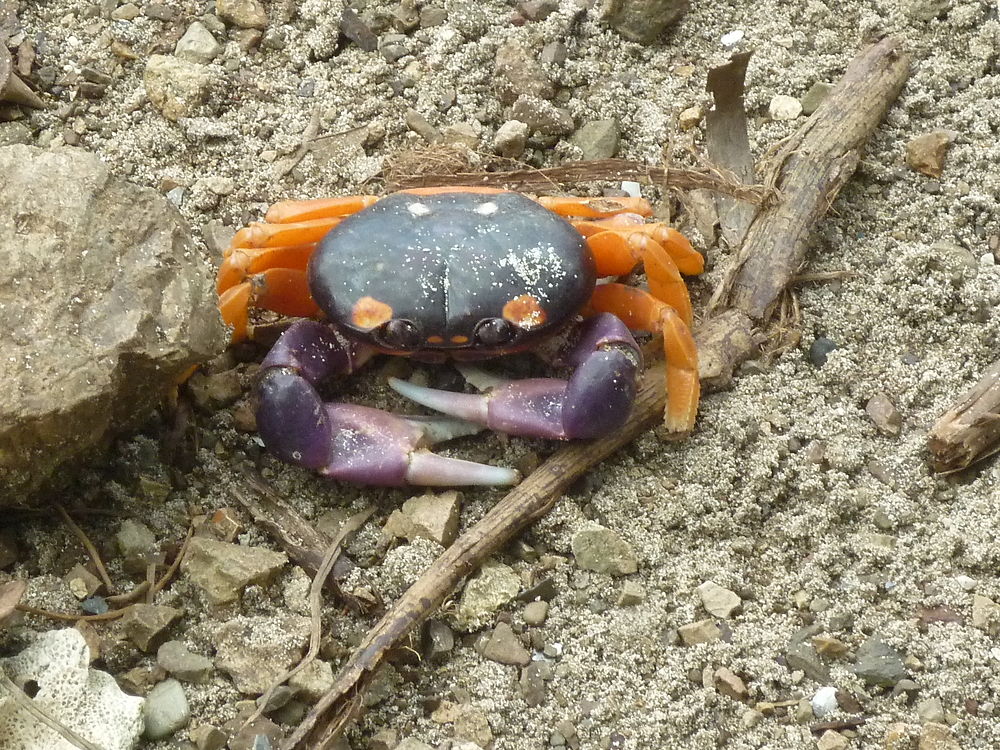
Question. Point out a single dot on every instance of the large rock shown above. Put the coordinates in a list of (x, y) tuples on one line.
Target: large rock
[(105, 302)]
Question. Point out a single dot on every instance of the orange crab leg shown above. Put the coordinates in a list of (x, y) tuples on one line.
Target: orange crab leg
[(617, 253), (640, 310), (689, 261), (246, 261), (279, 235), (283, 290), (285, 212), (596, 208)]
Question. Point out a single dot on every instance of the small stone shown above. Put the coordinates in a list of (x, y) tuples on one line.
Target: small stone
[(431, 16), (926, 152), (642, 20), (505, 647), (159, 12), (784, 107), (176, 87), (260, 734), (538, 10), (463, 133), (126, 12), (604, 551), (811, 100), (471, 724), (689, 118), (831, 740), (247, 14), (510, 139), (180, 662), (495, 585), (877, 663), (828, 645), (632, 593), (411, 743), (532, 684), (884, 414), (751, 718), (384, 739), (313, 682), (165, 710), (518, 74), (81, 582), (535, 613), (985, 614), (440, 641), (597, 139), (931, 711), (553, 53), (730, 684), (431, 516), (198, 45), (964, 581), (926, 10), (824, 702), (803, 713), (908, 687), (542, 116), (799, 656), (137, 546), (937, 737), (420, 125), (897, 737), (146, 625), (703, 631), (354, 28), (207, 737), (257, 650), (718, 601), (820, 350), (223, 570)]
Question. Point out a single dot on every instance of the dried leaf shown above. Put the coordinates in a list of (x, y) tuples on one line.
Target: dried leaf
[(10, 595)]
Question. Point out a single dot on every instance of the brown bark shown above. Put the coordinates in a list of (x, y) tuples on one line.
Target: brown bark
[(970, 430)]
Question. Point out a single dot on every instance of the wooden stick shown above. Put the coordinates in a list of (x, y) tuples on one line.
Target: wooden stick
[(970, 430)]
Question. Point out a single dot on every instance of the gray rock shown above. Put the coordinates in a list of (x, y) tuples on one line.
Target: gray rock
[(431, 516), (411, 743), (553, 53), (247, 14), (642, 20), (176, 87), (603, 551), (146, 625), (257, 650), (702, 631), (814, 96), (717, 601), (137, 545), (510, 139), (13, 133), (532, 684), (223, 570), (495, 585), (535, 613), (801, 656), (597, 139), (542, 116), (440, 641), (198, 45), (505, 647), (314, 681), (207, 737), (926, 10), (181, 663), (877, 663), (165, 710), (518, 73), (931, 711), (106, 303), (884, 414)]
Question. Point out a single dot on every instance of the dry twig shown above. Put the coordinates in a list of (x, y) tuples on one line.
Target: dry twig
[(970, 430), (95, 556)]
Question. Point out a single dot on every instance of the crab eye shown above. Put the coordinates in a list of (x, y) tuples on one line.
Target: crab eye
[(495, 331), (399, 334)]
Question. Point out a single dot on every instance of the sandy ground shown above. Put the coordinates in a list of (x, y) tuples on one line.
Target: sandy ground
[(786, 493)]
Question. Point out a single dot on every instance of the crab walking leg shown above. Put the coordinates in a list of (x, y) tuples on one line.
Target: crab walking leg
[(242, 262), (596, 399), (639, 310), (689, 261), (342, 441), (317, 208), (283, 290), (595, 208), (617, 253), (281, 235)]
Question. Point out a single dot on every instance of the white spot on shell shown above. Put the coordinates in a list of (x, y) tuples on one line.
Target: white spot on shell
[(487, 209), (418, 209)]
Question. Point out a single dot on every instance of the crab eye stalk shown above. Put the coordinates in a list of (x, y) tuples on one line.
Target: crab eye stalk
[(495, 332), (399, 334)]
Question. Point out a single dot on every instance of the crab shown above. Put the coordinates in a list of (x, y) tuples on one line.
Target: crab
[(465, 274)]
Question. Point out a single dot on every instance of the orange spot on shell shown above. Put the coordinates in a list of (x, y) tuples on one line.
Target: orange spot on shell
[(435, 340), (460, 339), (524, 311), (369, 312)]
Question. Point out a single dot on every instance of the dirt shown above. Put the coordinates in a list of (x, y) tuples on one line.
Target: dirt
[(786, 493)]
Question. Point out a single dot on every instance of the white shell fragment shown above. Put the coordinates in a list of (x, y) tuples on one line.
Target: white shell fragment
[(732, 38), (86, 700)]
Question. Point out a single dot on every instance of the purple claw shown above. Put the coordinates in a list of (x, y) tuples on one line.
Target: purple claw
[(596, 400)]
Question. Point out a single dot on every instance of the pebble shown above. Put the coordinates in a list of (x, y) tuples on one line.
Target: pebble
[(926, 152), (176, 87), (542, 116), (81, 582), (431, 16), (146, 625), (965, 582), (815, 96), (126, 12), (137, 545), (703, 631), (831, 740), (198, 45), (689, 118), (908, 687), (937, 737), (931, 711), (553, 53), (803, 713), (431, 516), (510, 139), (207, 737), (159, 12), (165, 710), (718, 601), (464, 133), (355, 29), (472, 724), (247, 14), (730, 684), (535, 613), (256, 650), (222, 570), (603, 550), (532, 684), (828, 645), (420, 125), (504, 647), (877, 663), (181, 663), (517, 73), (440, 641), (985, 614), (784, 107), (884, 414), (312, 682), (800, 656), (643, 21), (494, 586), (820, 350), (632, 593), (597, 139), (411, 743), (824, 702)]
